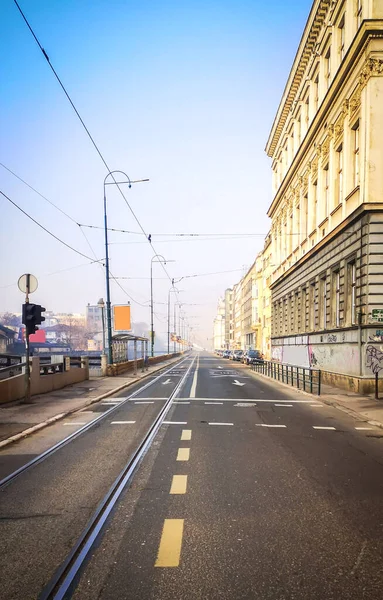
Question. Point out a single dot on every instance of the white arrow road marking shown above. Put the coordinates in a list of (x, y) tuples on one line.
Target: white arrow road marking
[(166, 382), (236, 382), (220, 367)]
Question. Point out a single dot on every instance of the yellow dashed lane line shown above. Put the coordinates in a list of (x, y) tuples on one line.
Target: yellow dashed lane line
[(170, 546), (179, 484)]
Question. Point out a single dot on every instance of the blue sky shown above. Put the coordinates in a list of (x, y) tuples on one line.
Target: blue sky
[(183, 93)]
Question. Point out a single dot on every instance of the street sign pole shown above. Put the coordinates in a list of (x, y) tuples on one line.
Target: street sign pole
[(27, 398), (28, 284)]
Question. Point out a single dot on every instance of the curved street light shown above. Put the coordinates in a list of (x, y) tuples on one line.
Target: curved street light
[(108, 306)]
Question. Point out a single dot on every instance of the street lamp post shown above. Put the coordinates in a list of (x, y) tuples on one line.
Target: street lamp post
[(107, 274), (163, 260), (101, 304), (175, 290), (179, 304)]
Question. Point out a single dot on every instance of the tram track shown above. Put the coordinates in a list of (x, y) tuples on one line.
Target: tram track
[(63, 582), (47, 453)]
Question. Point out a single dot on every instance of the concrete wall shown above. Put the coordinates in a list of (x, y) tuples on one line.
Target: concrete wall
[(14, 388)]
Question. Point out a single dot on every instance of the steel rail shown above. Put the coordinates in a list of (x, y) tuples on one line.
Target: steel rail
[(9, 478), (64, 579)]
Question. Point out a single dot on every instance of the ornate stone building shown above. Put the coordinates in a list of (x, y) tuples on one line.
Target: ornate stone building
[(326, 146)]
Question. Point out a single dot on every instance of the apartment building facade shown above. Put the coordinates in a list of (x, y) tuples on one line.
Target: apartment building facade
[(326, 237)]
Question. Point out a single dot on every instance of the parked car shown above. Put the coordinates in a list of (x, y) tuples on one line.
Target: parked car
[(226, 354), (237, 355), (251, 356)]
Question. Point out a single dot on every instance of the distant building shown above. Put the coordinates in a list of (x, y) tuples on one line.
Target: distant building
[(7, 337), (219, 326), (93, 318)]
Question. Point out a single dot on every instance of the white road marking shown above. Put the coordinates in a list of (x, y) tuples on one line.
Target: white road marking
[(144, 402), (320, 427), (272, 401), (174, 422), (213, 402), (195, 377), (267, 425), (75, 423), (283, 405), (109, 403), (236, 382), (122, 422), (153, 398), (221, 423), (167, 381), (364, 428), (317, 405), (181, 402)]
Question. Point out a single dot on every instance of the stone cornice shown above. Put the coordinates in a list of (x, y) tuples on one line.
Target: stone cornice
[(305, 51), (372, 67)]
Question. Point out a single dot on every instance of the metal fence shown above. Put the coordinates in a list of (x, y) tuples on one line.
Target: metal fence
[(303, 378), (11, 365)]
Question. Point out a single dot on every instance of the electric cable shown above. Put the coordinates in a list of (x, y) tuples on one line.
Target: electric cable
[(45, 229), (87, 131)]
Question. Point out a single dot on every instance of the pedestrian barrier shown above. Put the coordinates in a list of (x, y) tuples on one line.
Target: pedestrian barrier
[(303, 378)]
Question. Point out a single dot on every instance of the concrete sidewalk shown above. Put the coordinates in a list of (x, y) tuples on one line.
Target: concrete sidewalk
[(366, 408), (18, 420), (363, 408)]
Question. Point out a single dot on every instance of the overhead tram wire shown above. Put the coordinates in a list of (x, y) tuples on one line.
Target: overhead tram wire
[(87, 131), (37, 192), (47, 230), (95, 261)]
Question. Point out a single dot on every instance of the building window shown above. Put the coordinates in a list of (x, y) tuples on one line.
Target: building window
[(305, 215), (299, 131), (341, 37), (314, 204), (327, 68), (351, 292), (297, 312), (339, 156), (359, 13), (312, 306), (316, 92), (336, 297), (355, 131), (323, 302), (326, 190), (307, 112)]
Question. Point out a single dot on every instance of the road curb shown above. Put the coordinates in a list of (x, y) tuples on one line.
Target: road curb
[(26, 432), (352, 413)]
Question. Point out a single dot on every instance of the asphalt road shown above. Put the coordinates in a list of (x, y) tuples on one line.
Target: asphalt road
[(250, 491)]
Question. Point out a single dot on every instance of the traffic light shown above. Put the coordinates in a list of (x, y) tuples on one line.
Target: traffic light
[(32, 316)]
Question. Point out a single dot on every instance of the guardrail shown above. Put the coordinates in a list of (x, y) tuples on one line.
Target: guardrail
[(303, 378)]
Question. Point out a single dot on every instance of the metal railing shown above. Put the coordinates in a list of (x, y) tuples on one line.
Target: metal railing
[(10, 365), (303, 378)]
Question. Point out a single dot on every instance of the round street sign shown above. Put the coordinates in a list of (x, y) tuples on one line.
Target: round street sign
[(27, 283)]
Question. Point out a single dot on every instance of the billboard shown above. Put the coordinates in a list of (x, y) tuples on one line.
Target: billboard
[(121, 317)]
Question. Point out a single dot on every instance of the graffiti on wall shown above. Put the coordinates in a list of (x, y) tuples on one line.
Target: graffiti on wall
[(374, 359), (377, 337)]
